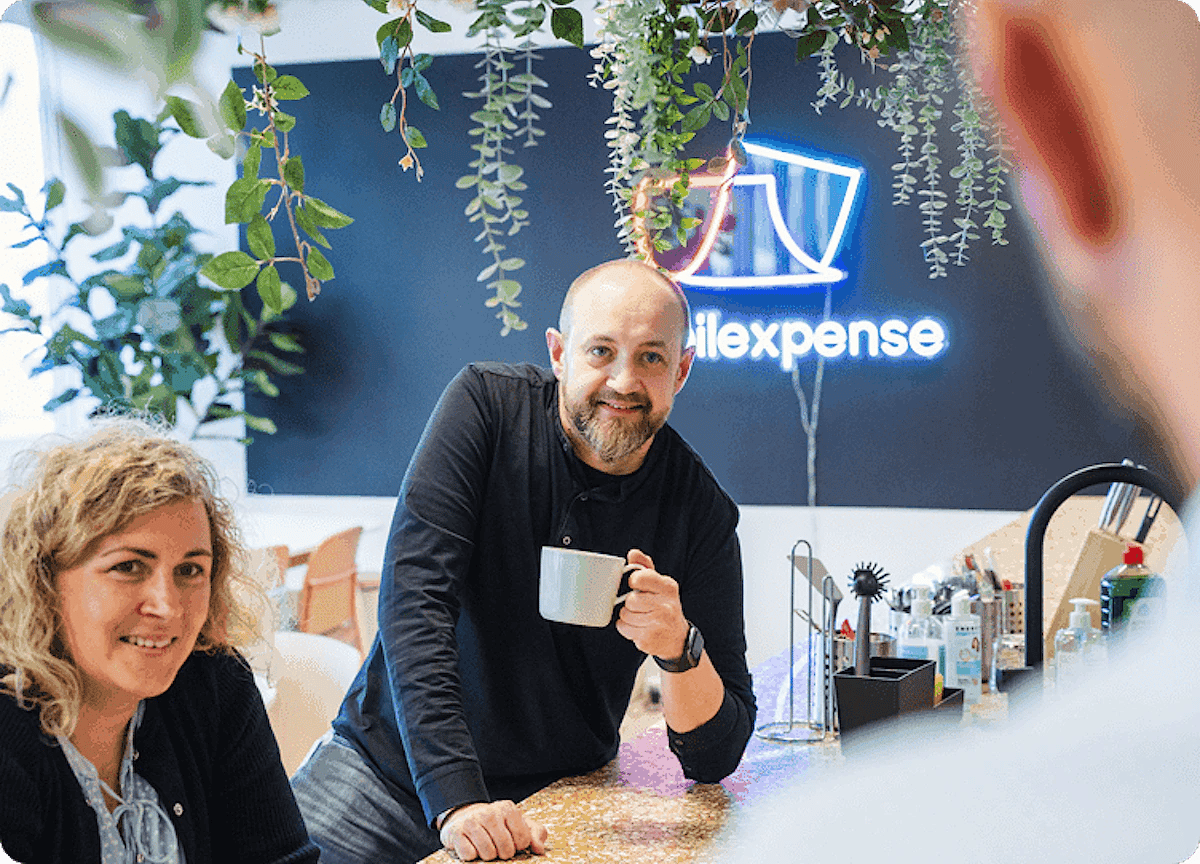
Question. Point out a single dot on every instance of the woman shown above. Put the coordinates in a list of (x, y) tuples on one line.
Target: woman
[(130, 729)]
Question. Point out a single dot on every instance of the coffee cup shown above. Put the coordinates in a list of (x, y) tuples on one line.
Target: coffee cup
[(578, 587)]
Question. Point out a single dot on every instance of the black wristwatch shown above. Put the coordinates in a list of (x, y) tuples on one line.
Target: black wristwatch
[(693, 647)]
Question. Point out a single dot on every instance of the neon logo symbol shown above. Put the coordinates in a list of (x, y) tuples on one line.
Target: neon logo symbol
[(745, 240)]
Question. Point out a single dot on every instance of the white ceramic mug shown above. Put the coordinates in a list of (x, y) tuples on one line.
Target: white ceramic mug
[(579, 587)]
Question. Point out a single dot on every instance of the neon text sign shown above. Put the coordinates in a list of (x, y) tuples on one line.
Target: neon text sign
[(787, 340)]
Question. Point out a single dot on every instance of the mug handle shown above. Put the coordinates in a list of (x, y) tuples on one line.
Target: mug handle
[(621, 598)]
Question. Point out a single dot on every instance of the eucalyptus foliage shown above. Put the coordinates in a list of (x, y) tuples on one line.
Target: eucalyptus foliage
[(145, 333)]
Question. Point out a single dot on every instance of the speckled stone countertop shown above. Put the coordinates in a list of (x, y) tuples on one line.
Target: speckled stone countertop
[(639, 808)]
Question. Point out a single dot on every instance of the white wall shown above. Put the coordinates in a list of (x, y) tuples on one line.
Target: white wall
[(902, 541)]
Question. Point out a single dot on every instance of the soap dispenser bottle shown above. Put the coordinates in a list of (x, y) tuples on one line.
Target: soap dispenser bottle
[(964, 649), (922, 637), (1079, 646)]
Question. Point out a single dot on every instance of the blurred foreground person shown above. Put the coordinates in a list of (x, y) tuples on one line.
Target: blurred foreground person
[(130, 729), (1101, 99)]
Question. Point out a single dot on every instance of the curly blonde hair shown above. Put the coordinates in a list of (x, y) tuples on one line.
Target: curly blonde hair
[(76, 494)]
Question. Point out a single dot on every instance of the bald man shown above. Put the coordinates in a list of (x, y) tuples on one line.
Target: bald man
[(1101, 99), (469, 700)]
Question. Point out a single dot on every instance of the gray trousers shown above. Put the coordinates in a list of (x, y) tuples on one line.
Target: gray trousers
[(352, 816)]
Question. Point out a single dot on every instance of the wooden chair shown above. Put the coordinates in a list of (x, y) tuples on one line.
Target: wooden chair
[(329, 599)]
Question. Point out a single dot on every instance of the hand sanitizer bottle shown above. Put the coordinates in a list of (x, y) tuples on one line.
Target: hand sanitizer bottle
[(922, 636), (1078, 647), (964, 649)]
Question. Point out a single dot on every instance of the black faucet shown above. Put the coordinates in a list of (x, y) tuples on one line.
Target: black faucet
[(1035, 535)]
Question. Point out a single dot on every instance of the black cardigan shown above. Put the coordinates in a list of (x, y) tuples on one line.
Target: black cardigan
[(206, 747)]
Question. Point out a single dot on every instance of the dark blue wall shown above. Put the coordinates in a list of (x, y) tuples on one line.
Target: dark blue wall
[(991, 424)]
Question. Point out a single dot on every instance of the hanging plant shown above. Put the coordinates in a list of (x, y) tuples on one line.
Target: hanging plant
[(916, 48), (646, 50)]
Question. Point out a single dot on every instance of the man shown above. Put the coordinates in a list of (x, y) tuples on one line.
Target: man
[(1100, 99), (469, 700)]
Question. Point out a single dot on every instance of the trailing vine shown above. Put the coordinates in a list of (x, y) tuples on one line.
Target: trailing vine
[(246, 197), (645, 51), (912, 106)]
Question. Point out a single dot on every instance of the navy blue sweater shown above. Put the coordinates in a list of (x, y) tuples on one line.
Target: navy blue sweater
[(206, 747), (467, 693)]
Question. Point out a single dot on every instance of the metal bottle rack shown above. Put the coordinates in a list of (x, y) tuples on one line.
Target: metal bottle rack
[(809, 730)]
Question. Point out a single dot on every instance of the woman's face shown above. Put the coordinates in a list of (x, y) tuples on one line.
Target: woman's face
[(132, 610)]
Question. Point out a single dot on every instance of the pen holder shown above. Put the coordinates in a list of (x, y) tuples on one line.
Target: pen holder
[(894, 685)]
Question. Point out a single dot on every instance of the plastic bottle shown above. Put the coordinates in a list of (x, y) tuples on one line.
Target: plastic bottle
[(1078, 647), (964, 648), (1131, 596), (922, 636)]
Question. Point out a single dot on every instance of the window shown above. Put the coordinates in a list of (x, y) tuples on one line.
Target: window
[(21, 398)]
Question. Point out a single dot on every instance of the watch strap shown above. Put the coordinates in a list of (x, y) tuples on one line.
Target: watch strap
[(693, 648)]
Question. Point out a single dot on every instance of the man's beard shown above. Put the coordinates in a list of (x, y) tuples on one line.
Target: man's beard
[(616, 438)]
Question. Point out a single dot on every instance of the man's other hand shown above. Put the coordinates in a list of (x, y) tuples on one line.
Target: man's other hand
[(489, 832)]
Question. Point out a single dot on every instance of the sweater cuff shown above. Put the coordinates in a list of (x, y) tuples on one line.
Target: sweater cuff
[(709, 741), (451, 786)]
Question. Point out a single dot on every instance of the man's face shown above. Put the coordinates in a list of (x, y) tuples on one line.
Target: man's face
[(619, 366)]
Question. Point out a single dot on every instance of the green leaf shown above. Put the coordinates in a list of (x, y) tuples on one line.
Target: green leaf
[(232, 271), (137, 139), (289, 87), (284, 122), (278, 365), (747, 22), (285, 342), (83, 154), (252, 161), (293, 173), (324, 215), (187, 115), (262, 424), (414, 137), (378, 5), (318, 265), (270, 289), (389, 52), (432, 24), (422, 62), (233, 107), (425, 92), (810, 43), (404, 33), (259, 237), (308, 224), (697, 118), (508, 172), (567, 23), (222, 145), (61, 399), (466, 181), (110, 253), (264, 72), (387, 116), (244, 198)]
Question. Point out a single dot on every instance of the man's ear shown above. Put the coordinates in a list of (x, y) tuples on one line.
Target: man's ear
[(685, 367), (1052, 119), (556, 344)]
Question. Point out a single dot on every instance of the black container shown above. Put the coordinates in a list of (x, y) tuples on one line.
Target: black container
[(894, 686)]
